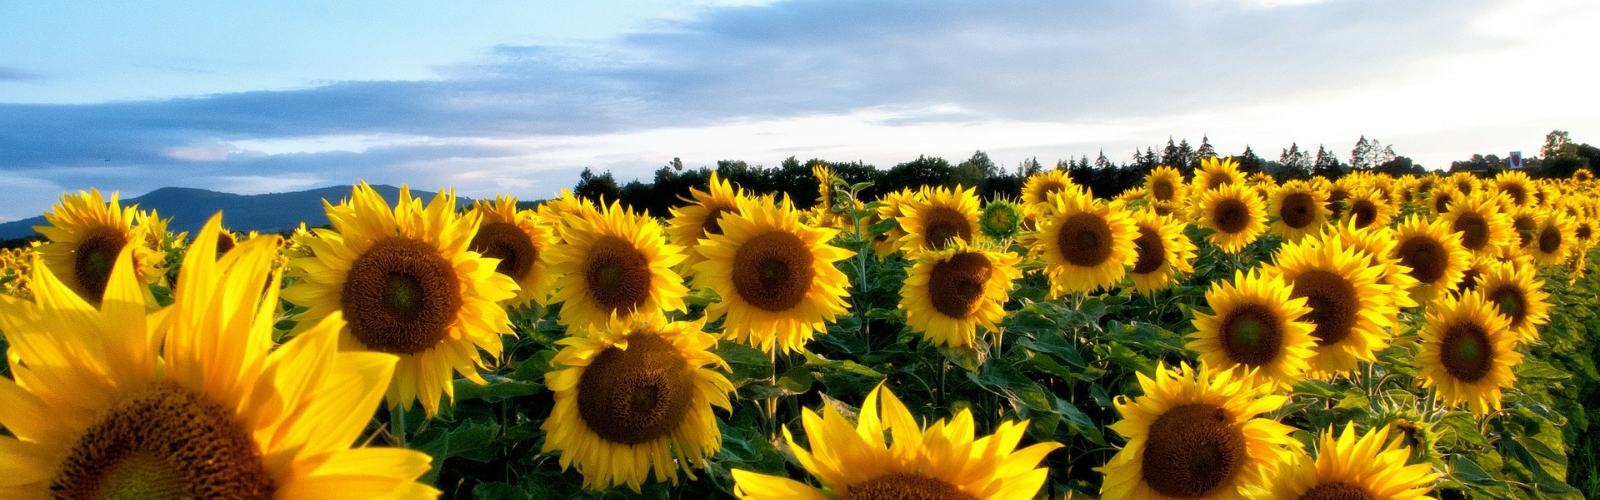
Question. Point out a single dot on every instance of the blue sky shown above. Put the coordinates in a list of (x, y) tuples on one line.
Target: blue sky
[(518, 96)]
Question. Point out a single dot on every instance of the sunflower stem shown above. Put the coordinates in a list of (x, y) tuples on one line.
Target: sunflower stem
[(397, 424)]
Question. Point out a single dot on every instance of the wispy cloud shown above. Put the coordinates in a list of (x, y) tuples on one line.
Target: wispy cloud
[(17, 75)]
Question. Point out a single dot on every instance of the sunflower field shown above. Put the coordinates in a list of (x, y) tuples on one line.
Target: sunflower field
[(1218, 337)]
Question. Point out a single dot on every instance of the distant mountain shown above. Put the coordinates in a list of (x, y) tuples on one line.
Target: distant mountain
[(189, 208)]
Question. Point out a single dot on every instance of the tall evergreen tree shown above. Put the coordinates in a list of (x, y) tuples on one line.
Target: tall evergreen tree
[(1150, 159), (1105, 163), (1249, 161), (1294, 163), (1206, 150), (1326, 164), (1169, 156), (1186, 154), (1361, 155)]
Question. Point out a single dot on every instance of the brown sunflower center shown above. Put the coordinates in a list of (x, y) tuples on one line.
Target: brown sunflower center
[(1163, 209), (1298, 210), (617, 275), (94, 259), (942, 224), (1426, 257), (1047, 188), (956, 285), (163, 442), (1334, 303), (1232, 216), (1474, 230), (1441, 202), (1584, 232), (1465, 352), (1085, 240), (1218, 179), (401, 296), (1337, 491), (1192, 450), (904, 487), (1335, 202), (713, 223), (225, 242), (1163, 189), (1251, 335), (1365, 212), (1549, 239), (1469, 280), (773, 271), (638, 394), (1511, 301), (1152, 252), (1516, 192), (1465, 186), (507, 242), (1524, 225)]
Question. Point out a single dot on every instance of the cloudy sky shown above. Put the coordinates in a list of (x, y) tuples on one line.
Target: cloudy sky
[(510, 96)]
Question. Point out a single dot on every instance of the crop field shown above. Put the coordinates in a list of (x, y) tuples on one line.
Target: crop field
[(1223, 336)]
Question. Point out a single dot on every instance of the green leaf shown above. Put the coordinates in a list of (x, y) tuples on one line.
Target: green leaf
[(1353, 399), (816, 360), (1465, 470), (883, 227), (1540, 369), (797, 379), (500, 388), (499, 491), (1080, 422), (473, 441)]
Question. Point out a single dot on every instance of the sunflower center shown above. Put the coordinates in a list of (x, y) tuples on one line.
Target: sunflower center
[(1584, 232), (225, 242), (1441, 202), (1232, 216), (1298, 210), (1192, 450), (1047, 188), (713, 223), (1085, 240), (1365, 212), (1549, 240), (1335, 202), (638, 394), (1474, 230), (617, 274), (904, 487), (1465, 186), (1251, 335), (1469, 280), (1525, 226), (94, 259), (507, 242), (1152, 252), (1517, 194), (1218, 179), (1337, 491), (1163, 190), (1334, 304), (1511, 302), (1427, 258), (1465, 352), (164, 442), (401, 296), (956, 285), (942, 224), (773, 271)]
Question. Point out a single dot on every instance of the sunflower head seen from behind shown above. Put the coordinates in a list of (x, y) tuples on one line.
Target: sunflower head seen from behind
[(1195, 434), (1085, 244), (1371, 467), (885, 455), (634, 398), (614, 262), (1255, 323), (1235, 214), (88, 232), (519, 241), (406, 283), (948, 293), (1001, 220), (195, 402), (775, 275), (1468, 352)]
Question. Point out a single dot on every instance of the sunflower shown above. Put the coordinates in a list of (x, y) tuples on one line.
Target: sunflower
[(519, 241), (615, 262), (1161, 251), (553, 212), (1472, 276), (1235, 214), (1372, 468), (948, 293), (1195, 434), (1516, 187), (635, 397), (1257, 323), (1524, 222), (1433, 254), (1165, 185), (1583, 234), (938, 217), (1517, 293), (1215, 173), (1582, 175), (1084, 243), (1369, 207), (1468, 351), (86, 234), (1001, 220), (1465, 183), (1039, 187), (1484, 229), (887, 456), (1376, 247), (1349, 305), (406, 284), (776, 276), (1300, 209), (1338, 191), (893, 206), (692, 222), (193, 402), (1553, 238)]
